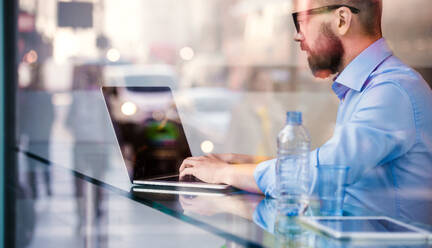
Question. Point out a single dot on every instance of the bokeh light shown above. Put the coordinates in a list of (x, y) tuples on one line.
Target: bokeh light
[(207, 146), (187, 53), (31, 57), (113, 55), (128, 108)]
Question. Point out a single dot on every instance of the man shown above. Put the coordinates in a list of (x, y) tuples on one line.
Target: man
[(384, 124)]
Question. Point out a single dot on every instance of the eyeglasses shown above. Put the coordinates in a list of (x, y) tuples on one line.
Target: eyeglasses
[(320, 10)]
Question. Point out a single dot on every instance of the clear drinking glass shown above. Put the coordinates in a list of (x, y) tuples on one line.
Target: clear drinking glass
[(331, 188)]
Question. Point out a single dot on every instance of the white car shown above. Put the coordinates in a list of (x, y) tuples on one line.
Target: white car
[(141, 75)]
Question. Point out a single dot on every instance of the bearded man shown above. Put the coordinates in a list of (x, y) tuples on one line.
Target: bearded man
[(384, 123)]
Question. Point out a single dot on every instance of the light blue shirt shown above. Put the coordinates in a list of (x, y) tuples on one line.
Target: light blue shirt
[(383, 132)]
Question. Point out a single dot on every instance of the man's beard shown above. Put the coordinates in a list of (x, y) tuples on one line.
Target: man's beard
[(326, 58)]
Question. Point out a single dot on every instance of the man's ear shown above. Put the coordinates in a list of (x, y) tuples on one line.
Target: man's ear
[(343, 20)]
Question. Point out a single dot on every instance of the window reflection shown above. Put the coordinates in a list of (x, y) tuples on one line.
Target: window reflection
[(232, 65)]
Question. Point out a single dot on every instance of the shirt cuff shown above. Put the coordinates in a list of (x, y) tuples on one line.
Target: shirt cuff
[(265, 177), (313, 163), (313, 158)]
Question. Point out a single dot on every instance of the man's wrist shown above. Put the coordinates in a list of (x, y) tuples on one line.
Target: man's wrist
[(226, 175)]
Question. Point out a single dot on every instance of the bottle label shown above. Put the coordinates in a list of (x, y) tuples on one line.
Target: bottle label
[(292, 174)]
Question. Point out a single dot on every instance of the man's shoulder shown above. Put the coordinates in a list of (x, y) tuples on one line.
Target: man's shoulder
[(394, 71), (395, 76)]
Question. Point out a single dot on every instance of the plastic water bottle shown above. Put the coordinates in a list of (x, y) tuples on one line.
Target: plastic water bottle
[(292, 167)]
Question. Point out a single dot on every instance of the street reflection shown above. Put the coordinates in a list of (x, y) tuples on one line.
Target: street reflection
[(34, 136), (25, 217), (234, 71), (82, 224), (35, 117)]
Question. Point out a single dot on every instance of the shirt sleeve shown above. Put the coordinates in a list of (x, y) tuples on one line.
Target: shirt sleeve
[(380, 129), (265, 175)]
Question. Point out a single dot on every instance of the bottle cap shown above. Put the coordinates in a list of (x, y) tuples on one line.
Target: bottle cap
[(294, 117)]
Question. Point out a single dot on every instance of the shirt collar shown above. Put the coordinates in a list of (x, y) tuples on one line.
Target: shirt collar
[(340, 90), (357, 72)]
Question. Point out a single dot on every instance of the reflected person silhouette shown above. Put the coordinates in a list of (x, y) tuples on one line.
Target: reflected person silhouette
[(35, 120), (90, 153)]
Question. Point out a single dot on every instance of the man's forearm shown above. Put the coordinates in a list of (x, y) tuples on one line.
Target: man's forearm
[(234, 158), (241, 176)]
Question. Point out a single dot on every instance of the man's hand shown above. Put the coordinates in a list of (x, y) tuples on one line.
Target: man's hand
[(216, 169), (209, 169)]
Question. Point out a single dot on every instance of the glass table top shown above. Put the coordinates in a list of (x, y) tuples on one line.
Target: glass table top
[(64, 205)]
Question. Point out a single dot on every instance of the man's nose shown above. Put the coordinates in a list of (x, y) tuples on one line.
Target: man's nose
[(298, 36)]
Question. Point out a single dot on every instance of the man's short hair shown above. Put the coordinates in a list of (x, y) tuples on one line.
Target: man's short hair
[(370, 13)]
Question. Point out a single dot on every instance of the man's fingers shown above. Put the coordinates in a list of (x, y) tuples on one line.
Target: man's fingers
[(189, 162), (187, 171), (183, 165), (192, 162)]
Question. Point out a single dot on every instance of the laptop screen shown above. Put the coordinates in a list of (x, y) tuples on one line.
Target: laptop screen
[(148, 129)]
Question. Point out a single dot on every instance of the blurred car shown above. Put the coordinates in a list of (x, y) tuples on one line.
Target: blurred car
[(141, 75)]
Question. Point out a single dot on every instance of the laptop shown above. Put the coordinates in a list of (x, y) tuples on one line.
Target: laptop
[(152, 140)]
